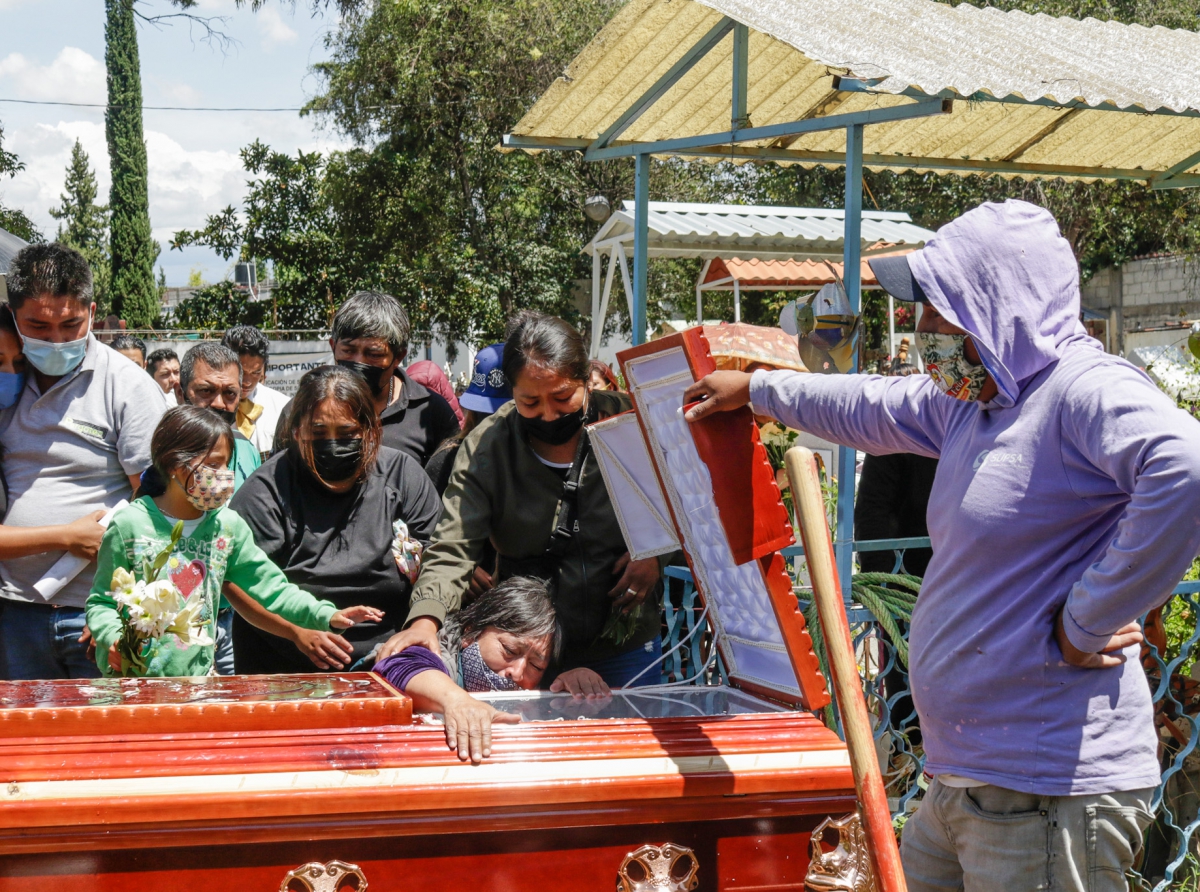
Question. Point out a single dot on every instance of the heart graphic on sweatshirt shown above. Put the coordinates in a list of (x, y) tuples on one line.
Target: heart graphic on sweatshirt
[(187, 577)]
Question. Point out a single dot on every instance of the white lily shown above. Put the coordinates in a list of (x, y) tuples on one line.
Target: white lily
[(187, 626)]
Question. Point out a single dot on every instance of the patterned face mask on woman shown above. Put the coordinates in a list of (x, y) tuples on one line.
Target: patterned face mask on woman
[(478, 676), (209, 488), (946, 362)]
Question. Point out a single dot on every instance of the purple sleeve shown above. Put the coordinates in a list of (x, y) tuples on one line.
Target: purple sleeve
[(1129, 430), (867, 412), (399, 669)]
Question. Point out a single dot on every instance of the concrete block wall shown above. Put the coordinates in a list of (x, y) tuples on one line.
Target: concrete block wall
[(1147, 293)]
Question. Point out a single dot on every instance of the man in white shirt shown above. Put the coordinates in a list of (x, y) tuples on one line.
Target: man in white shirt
[(258, 412), (163, 367), (74, 446)]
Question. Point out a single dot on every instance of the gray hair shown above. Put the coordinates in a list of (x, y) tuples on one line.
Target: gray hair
[(520, 606), (372, 314), (213, 354)]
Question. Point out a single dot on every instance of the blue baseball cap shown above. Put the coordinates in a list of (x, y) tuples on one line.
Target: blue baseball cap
[(489, 388)]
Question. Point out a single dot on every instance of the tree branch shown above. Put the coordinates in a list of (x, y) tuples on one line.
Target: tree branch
[(210, 26)]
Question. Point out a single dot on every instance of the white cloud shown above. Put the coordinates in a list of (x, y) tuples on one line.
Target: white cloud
[(73, 76), (274, 29)]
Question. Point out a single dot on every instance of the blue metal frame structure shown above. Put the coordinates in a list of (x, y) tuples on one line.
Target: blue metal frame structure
[(728, 145)]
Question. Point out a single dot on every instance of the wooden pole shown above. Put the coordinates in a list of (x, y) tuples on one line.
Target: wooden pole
[(868, 782)]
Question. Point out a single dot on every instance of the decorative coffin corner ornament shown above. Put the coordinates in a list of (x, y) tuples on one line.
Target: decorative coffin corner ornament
[(665, 868), (335, 876), (845, 869)]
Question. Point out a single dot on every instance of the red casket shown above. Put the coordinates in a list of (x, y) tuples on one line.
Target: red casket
[(323, 782), (232, 784)]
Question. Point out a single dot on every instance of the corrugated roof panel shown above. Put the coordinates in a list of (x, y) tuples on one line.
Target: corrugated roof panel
[(678, 229), (797, 45)]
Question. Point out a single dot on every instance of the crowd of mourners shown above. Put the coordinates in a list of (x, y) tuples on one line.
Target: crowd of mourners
[(375, 519)]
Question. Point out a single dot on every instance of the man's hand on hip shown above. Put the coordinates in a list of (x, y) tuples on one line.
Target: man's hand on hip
[(1108, 657), (720, 391)]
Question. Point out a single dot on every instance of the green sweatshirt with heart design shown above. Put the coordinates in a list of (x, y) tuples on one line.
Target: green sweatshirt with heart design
[(220, 549)]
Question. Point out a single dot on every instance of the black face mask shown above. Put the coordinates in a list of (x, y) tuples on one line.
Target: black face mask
[(337, 460), (373, 374), (556, 432)]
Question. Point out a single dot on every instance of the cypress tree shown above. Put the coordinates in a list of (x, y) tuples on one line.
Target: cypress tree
[(134, 293), (83, 224)]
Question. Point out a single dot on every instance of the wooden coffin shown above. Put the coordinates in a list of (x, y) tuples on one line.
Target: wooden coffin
[(323, 782), (208, 784)]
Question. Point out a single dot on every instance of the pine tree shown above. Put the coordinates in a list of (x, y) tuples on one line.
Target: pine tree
[(83, 224), (134, 293)]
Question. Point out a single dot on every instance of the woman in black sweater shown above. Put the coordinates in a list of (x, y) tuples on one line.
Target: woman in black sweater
[(324, 509)]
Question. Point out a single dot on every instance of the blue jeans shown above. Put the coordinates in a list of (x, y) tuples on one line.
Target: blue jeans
[(617, 671), (42, 641), (223, 659)]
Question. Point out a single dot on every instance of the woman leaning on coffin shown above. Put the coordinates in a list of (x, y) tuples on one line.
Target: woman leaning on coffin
[(504, 641), (512, 484)]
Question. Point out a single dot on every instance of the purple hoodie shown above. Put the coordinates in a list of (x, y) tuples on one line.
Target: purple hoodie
[(1079, 484)]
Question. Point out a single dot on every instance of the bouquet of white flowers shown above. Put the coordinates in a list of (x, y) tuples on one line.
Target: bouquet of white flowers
[(151, 607)]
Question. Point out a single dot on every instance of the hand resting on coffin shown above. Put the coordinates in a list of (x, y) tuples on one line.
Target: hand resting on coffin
[(467, 721), (581, 682)]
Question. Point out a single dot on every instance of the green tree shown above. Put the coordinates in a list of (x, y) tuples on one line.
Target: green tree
[(425, 207), (12, 219), (83, 224), (217, 307), (133, 290)]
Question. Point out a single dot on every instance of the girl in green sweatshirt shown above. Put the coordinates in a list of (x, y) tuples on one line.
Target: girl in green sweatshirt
[(191, 482)]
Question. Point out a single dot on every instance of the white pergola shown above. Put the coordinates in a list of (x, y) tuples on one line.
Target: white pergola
[(708, 231)]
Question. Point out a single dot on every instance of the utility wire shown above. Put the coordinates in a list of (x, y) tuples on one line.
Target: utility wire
[(158, 107)]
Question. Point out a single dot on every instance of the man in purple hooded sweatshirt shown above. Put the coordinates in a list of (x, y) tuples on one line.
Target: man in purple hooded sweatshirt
[(1066, 504)]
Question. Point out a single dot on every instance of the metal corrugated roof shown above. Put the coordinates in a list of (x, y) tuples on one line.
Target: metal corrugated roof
[(905, 48), (10, 246), (713, 230)]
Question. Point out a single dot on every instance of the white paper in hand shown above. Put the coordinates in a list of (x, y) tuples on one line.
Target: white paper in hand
[(69, 566)]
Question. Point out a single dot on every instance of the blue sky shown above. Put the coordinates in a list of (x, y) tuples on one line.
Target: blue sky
[(54, 50)]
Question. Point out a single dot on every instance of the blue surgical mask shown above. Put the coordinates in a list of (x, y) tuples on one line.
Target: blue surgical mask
[(53, 359), (11, 386)]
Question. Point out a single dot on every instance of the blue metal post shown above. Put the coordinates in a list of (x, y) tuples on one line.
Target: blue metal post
[(741, 61), (851, 255), (641, 235)]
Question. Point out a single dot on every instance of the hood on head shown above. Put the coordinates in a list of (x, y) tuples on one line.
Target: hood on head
[(1004, 274)]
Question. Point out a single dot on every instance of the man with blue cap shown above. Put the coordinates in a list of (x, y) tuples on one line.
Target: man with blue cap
[(1064, 507), (489, 391)]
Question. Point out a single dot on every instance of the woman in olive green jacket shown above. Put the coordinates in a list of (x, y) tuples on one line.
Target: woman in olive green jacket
[(508, 487)]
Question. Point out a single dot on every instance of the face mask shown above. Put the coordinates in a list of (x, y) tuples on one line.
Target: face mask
[(52, 359), (11, 386), (947, 363), (336, 460), (556, 432), (228, 417), (478, 676), (209, 488), (373, 374)]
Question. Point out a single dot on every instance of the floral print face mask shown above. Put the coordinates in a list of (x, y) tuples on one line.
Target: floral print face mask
[(946, 362), (209, 488)]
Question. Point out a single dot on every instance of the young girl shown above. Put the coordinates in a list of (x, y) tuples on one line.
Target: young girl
[(191, 482)]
